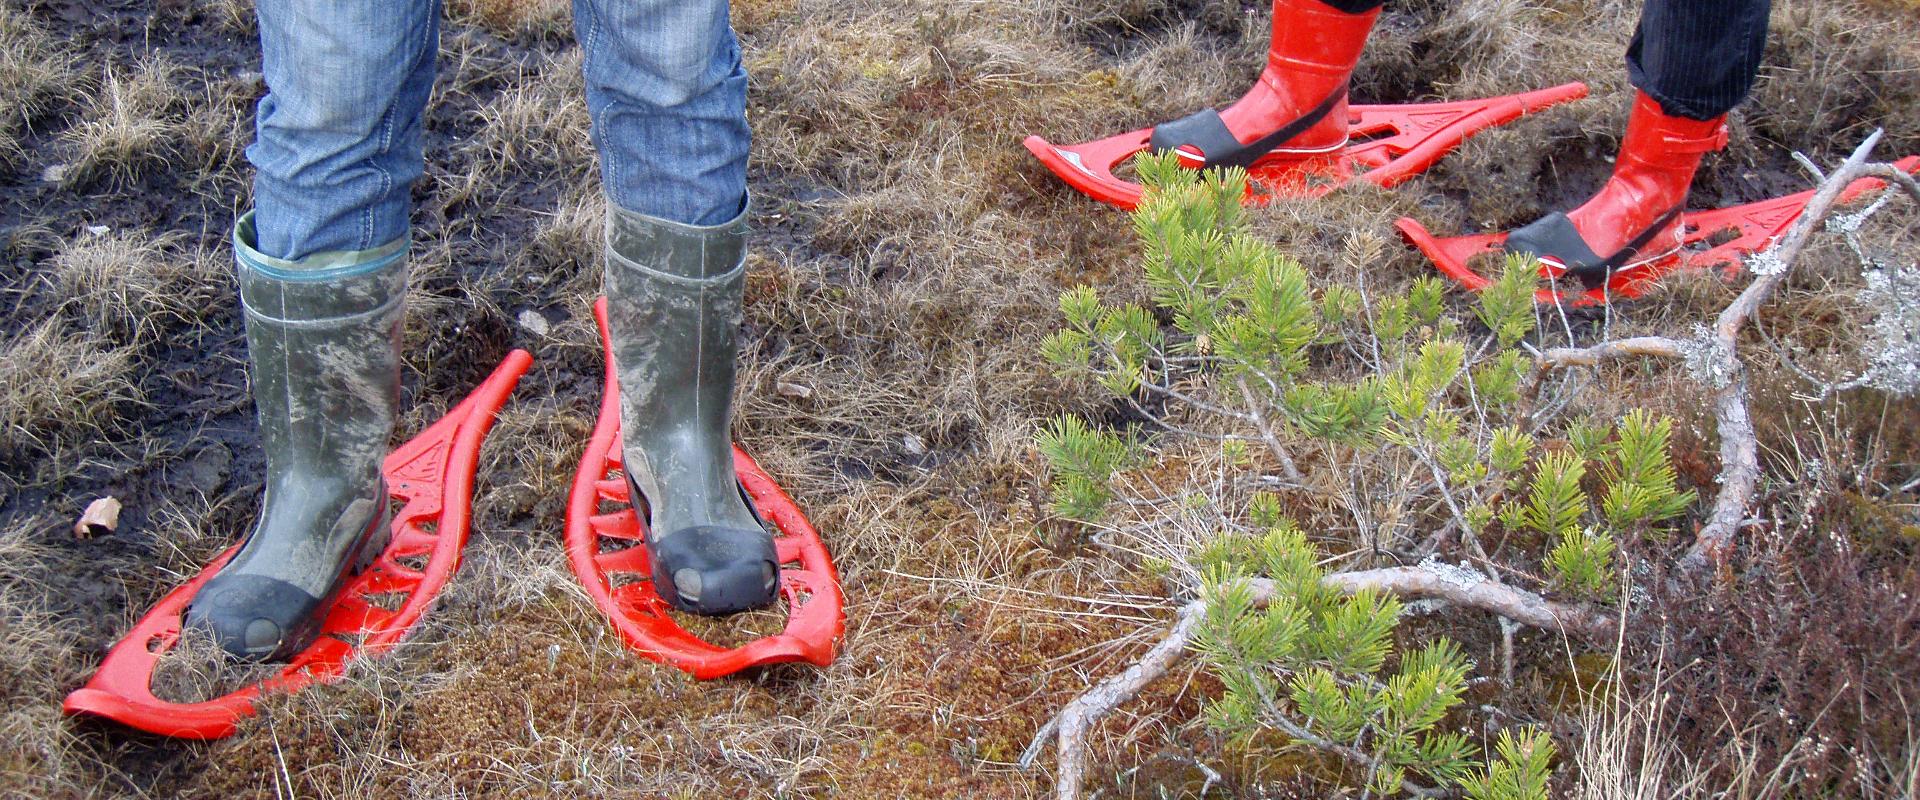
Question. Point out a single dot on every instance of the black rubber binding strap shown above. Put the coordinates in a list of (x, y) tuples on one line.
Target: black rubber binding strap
[(1205, 130), (1554, 236)]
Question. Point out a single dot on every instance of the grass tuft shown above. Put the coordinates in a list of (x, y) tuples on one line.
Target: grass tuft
[(130, 127), (35, 73), (514, 18), (130, 287), (56, 384)]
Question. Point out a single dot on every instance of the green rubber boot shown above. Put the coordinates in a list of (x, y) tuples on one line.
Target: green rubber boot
[(323, 335), (673, 306)]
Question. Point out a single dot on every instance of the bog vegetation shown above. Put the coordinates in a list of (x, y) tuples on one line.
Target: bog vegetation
[(1412, 541)]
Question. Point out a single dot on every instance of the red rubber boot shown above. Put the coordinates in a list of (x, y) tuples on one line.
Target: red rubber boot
[(1635, 217), (1298, 108)]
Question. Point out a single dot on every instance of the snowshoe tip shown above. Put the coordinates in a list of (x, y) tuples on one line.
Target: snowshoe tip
[(1387, 144)]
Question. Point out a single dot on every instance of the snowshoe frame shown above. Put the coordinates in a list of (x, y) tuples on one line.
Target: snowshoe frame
[(809, 585), (1387, 145), (1717, 238), (430, 479)]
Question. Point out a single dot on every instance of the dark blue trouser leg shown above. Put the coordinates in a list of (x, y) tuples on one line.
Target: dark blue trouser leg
[(1698, 57)]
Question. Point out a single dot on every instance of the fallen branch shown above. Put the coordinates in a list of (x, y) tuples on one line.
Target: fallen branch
[(1465, 587), (1739, 446), (1430, 580), (1563, 357), (1715, 359)]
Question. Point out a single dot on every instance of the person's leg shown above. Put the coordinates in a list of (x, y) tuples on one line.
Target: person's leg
[(338, 132), (1298, 107), (1698, 58), (668, 98), (1692, 60), (322, 267)]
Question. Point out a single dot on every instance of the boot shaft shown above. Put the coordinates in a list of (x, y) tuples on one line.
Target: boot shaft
[(674, 305), (1660, 142), (323, 336), (1309, 60), (1316, 45), (651, 244)]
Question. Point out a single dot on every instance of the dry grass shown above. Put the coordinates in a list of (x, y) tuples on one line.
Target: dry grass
[(1829, 81), (196, 670), (37, 757), (537, 126), (131, 124), (1625, 748), (564, 253), (130, 286), (56, 384), (217, 128), (237, 16), (534, 18), (35, 72)]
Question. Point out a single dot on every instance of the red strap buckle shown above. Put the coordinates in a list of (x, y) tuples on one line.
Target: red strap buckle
[(1709, 143)]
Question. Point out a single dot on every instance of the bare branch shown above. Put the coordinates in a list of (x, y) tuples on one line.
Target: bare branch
[(1563, 357), (1428, 581), (1900, 177), (1463, 587), (1739, 447), (1788, 247)]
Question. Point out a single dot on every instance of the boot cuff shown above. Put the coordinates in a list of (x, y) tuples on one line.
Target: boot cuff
[(695, 252), (322, 286)]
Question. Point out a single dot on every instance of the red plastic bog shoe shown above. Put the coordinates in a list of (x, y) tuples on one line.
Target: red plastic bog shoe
[(1739, 230), (1386, 145), (431, 481), (599, 512)]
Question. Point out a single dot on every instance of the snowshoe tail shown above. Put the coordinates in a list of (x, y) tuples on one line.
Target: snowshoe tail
[(1386, 145), (431, 481), (606, 551), (1719, 238)]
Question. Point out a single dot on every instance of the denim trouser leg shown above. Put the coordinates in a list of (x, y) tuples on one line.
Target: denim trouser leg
[(668, 97), (1698, 58), (338, 142)]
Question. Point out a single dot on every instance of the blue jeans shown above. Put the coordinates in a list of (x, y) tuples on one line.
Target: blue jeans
[(338, 133)]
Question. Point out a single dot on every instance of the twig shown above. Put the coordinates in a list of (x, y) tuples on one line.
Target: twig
[(1563, 357), (1287, 467), (1507, 629), (1069, 728)]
